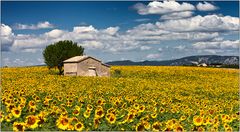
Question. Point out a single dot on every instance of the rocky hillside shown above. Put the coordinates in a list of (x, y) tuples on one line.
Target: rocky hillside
[(190, 60)]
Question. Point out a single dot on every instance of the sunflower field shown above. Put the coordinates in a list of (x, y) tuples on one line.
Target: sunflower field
[(134, 98)]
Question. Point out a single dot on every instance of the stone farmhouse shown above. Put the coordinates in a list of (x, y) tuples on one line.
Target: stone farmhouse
[(85, 66)]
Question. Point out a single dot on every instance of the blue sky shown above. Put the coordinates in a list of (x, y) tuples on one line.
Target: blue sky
[(125, 30)]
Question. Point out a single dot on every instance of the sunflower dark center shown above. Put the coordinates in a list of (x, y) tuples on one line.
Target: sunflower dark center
[(17, 112), (99, 112), (111, 119), (64, 121), (157, 127), (19, 127), (75, 112), (130, 116), (79, 125), (31, 120), (140, 128), (179, 129)]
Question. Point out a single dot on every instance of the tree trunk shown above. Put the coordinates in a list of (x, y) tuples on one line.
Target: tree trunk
[(60, 70)]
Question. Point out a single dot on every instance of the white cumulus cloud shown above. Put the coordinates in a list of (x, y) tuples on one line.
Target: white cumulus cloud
[(111, 30), (84, 29), (153, 56), (55, 33), (205, 6), (177, 15), (226, 44), (7, 37), (40, 25), (209, 23), (164, 7)]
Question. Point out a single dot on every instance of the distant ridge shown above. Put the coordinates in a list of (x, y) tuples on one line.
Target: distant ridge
[(185, 61)]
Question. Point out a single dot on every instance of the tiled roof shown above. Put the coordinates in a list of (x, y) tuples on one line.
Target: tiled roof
[(76, 58), (81, 58)]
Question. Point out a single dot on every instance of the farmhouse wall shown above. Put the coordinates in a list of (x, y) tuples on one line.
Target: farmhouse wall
[(70, 69), (84, 65)]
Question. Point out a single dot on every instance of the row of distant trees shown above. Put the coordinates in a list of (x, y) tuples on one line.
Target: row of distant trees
[(55, 54)]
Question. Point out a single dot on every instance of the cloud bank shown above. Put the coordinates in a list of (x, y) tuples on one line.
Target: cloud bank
[(40, 25), (194, 29)]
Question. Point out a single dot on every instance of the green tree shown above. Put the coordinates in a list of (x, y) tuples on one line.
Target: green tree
[(55, 54)]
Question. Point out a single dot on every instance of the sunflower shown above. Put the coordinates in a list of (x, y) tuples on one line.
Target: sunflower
[(117, 102), (8, 118), (70, 127), (183, 117), (37, 99), (225, 125), (16, 112), (16, 100), (154, 115), (146, 124), (111, 110), (161, 110), (54, 102), (74, 120), (63, 122), (228, 119), (10, 107), (32, 121), (21, 105), (141, 108), (136, 106), (60, 98), (211, 111), (178, 128), (76, 112), (139, 127), (145, 118), (69, 104), (48, 98), (207, 120), (99, 113), (89, 107), (216, 120), (130, 117), (234, 116), (8, 102), (41, 117), (202, 112), (32, 104), (80, 100), (19, 126), (156, 126), (197, 120), (213, 129), (1, 116), (124, 105), (200, 129), (96, 122), (229, 129), (100, 101), (170, 124), (111, 118), (32, 110), (87, 113)]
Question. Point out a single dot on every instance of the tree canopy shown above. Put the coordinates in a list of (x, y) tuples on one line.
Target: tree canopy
[(55, 54)]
